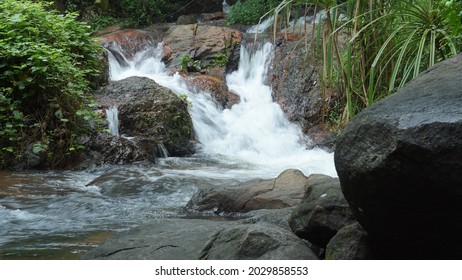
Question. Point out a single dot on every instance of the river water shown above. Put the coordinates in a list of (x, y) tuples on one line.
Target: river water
[(62, 214)]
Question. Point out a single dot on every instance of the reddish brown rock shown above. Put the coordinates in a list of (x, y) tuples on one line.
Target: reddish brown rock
[(199, 42), (130, 41)]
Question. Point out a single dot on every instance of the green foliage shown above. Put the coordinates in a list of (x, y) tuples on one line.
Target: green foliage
[(249, 11), (220, 61), (46, 62), (142, 12), (102, 21), (378, 48), (189, 64)]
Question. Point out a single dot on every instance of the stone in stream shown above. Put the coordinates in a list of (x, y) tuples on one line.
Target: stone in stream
[(400, 164), (150, 116), (286, 190), (192, 239)]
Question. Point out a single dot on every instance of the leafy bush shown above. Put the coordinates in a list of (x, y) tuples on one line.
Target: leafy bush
[(142, 12), (249, 12), (46, 60)]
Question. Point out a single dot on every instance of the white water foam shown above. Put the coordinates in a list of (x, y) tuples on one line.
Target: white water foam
[(262, 26), (254, 131), (112, 116)]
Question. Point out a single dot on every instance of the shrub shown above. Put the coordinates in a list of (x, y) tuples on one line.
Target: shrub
[(249, 12), (142, 12), (46, 60)]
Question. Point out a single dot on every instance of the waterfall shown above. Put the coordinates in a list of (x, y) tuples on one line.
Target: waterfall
[(162, 151), (254, 131), (262, 26), (112, 116), (226, 7)]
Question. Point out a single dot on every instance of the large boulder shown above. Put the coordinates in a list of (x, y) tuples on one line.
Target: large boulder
[(399, 164), (322, 212), (189, 239), (286, 190), (150, 111), (200, 42)]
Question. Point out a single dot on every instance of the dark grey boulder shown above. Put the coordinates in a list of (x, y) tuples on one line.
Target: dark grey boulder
[(322, 212), (350, 243), (400, 167), (189, 239), (150, 111)]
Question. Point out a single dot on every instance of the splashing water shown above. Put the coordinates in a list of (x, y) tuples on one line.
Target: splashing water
[(253, 131), (112, 117), (60, 214)]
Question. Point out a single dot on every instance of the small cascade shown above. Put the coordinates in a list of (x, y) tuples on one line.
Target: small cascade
[(112, 116), (254, 131), (162, 151), (226, 7), (262, 26)]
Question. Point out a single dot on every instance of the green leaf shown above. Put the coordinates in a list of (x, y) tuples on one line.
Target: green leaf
[(37, 148)]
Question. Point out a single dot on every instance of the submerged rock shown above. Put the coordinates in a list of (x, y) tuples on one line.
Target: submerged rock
[(128, 42), (399, 164)]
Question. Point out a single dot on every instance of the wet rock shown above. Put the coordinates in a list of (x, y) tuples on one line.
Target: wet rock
[(320, 137), (128, 42), (295, 80), (216, 86), (152, 114), (350, 243), (106, 149), (322, 212), (189, 239), (187, 19), (148, 109), (285, 191), (200, 42), (399, 166)]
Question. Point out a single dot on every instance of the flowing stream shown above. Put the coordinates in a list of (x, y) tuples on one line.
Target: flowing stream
[(62, 214)]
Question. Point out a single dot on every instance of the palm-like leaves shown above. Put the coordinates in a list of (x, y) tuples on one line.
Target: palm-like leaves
[(391, 43)]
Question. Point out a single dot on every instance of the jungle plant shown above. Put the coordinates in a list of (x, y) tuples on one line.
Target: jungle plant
[(189, 64), (46, 61), (249, 11), (389, 43), (220, 61)]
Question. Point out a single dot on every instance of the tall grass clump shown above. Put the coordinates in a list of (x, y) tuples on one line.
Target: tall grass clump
[(46, 61), (370, 49)]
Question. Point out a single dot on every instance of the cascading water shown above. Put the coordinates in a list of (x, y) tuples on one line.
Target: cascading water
[(253, 131), (61, 214), (112, 117)]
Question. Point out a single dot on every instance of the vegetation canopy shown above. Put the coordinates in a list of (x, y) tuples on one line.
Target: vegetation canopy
[(46, 61)]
